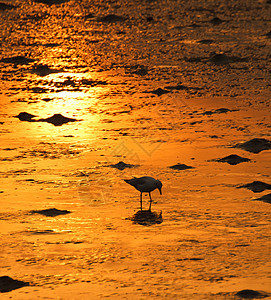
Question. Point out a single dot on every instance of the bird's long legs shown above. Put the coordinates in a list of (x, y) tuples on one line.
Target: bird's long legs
[(141, 201), (150, 201)]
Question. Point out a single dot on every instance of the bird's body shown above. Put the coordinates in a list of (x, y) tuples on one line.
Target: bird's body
[(145, 184)]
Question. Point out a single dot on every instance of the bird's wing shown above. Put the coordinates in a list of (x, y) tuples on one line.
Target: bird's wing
[(140, 181), (134, 181), (143, 184)]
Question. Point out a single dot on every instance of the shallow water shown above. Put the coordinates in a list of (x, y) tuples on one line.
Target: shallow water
[(148, 88)]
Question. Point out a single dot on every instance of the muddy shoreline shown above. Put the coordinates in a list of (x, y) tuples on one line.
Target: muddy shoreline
[(93, 93)]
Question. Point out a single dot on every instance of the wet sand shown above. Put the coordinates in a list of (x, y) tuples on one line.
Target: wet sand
[(115, 90)]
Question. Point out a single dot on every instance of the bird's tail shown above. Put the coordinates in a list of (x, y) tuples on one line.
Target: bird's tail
[(129, 181)]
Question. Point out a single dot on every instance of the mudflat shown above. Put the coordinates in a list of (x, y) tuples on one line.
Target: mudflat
[(95, 92)]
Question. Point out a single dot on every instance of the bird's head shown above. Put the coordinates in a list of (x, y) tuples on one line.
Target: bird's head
[(159, 186)]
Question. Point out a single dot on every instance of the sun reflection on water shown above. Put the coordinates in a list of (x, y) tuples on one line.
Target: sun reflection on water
[(72, 95)]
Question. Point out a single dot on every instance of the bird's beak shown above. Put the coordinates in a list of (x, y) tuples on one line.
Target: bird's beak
[(160, 190)]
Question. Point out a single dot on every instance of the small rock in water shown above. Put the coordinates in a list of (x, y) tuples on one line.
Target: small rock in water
[(251, 294), (58, 120), (181, 167), (8, 284), (265, 198), (255, 145), (256, 186), (24, 116), (122, 165), (233, 159), (147, 217), (51, 212)]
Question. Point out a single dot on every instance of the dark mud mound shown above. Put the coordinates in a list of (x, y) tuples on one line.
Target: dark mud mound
[(147, 217), (159, 92), (122, 165), (92, 83), (216, 21), (233, 159), (58, 120), (8, 284), (37, 232), (89, 16), (217, 111), (206, 42), (222, 59), (255, 145), (180, 167), (256, 186), (111, 18), (178, 87), (190, 259), (251, 294), (43, 70), (265, 198), (17, 60), (137, 69), (24, 116), (51, 45), (50, 212), (4, 6), (51, 2)]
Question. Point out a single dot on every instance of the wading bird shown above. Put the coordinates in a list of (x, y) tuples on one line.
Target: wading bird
[(145, 184)]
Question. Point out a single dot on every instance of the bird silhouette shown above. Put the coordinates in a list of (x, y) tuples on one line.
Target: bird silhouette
[(145, 184)]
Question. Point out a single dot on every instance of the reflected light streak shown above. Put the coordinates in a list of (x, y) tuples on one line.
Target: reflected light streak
[(73, 95)]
